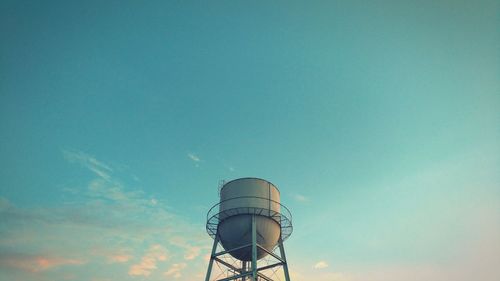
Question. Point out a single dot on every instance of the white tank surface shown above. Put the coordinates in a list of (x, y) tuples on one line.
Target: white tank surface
[(239, 200)]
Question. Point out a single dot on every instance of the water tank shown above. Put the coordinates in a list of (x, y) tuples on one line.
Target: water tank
[(250, 223), (239, 200)]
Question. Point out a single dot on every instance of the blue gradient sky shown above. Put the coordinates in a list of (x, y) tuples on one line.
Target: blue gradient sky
[(378, 120)]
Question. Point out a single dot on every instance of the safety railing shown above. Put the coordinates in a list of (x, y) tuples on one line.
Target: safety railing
[(261, 206)]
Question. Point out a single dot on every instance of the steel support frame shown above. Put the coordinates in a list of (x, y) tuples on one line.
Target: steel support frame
[(249, 270)]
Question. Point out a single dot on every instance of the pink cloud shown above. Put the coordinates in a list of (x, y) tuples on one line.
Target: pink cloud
[(175, 270), (148, 261), (119, 258), (144, 268), (192, 252), (37, 263)]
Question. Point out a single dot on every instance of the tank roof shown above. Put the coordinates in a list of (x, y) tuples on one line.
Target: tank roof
[(249, 178)]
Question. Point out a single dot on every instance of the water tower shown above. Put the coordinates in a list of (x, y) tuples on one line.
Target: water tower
[(248, 226)]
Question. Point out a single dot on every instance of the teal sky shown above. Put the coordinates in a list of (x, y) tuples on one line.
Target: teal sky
[(378, 121)]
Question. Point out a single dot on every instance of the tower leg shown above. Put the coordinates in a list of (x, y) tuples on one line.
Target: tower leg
[(285, 264), (212, 256), (254, 249)]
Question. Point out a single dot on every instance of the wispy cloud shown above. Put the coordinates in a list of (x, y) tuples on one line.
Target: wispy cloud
[(119, 258), (175, 270), (190, 251), (321, 265), (194, 157), (300, 198), (106, 223), (100, 169), (154, 201), (157, 253), (299, 273), (34, 264)]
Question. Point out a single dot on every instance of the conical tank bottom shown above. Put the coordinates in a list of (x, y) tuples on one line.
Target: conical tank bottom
[(236, 231)]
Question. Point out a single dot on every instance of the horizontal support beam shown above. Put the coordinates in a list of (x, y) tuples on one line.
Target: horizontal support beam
[(236, 276), (226, 264), (248, 273), (270, 266), (264, 277), (231, 250)]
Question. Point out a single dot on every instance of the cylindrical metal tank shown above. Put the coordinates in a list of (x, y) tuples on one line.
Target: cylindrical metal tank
[(239, 200)]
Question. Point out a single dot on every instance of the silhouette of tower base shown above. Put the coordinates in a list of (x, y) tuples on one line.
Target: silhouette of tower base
[(243, 270)]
